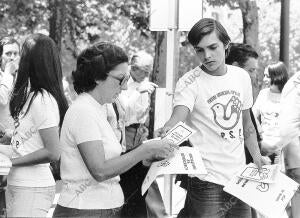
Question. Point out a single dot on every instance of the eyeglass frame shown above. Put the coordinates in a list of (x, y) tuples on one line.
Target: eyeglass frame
[(137, 68), (123, 80)]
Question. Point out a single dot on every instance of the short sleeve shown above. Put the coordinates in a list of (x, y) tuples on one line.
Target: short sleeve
[(257, 105), (248, 96), (84, 127), (185, 92), (45, 112)]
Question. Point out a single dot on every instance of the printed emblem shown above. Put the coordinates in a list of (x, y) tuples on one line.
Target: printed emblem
[(227, 116)]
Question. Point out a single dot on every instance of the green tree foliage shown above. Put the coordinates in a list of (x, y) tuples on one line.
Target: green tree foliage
[(127, 24), (82, 22)]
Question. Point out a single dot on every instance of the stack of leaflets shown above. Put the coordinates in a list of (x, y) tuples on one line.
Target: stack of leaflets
[(187, 160), (267, 190), (5, 164)]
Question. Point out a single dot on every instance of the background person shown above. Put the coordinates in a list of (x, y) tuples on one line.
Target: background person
[(136, 101), (289, 123), (88, 142), (244, 56), (9, 53), (37, 106), (267, 109)]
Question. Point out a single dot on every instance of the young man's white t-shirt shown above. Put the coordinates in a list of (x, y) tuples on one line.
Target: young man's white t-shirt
[(216, 104), (43, 114), (86, 120)]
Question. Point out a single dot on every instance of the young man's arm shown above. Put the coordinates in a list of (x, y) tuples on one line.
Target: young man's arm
[(180, 112), (250, 139)]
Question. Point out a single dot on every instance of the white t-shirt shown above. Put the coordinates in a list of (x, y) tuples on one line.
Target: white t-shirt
[(216, 104), (290, 109), (6, 85), (289, 121), (136, 104), (43, 114), (267, 106), (86, 120)]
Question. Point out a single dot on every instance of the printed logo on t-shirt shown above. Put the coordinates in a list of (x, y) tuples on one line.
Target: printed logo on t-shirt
[(19, 138), (226, 115), (297, 82), (270, 118)]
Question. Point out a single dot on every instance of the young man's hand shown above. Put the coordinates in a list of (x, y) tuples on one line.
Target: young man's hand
[(261, 161)]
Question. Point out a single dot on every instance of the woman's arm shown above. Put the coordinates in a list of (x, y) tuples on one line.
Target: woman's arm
[(92, 153), (49, 153)]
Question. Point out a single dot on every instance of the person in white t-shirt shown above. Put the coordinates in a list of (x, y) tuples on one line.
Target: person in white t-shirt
[(214, 99), (267, 109), (289, 123), (90, 151), (37, 106)]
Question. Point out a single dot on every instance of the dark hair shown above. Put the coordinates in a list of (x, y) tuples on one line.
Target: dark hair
[(39, 68), (206, 26), (278, 74), (240, 53), (94, 63), (7, 41)]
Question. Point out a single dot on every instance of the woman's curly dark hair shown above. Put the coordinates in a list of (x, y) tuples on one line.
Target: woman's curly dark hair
[(94, 63)]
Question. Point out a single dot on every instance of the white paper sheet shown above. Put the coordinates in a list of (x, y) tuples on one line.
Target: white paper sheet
[(186, 161), (5, 164), (6, 150), (179, 133), (268, 199), (267, 174)]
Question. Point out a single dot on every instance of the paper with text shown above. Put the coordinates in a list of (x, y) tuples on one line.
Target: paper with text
[(266, 175), (268, 199), (179, 133), (187, 160)]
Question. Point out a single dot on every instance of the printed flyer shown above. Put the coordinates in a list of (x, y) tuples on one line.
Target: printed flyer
[(187, 160), (270, 199)]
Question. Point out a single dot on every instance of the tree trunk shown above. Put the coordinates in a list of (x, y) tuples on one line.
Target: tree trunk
[(250, 22), (56, 20), (284, 32), (250, 30), (158, 75)]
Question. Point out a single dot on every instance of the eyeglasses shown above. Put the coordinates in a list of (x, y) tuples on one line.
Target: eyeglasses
[(136, 68), (122, 80)]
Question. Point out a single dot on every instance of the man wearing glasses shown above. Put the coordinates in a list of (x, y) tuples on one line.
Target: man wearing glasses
[(136, 101)]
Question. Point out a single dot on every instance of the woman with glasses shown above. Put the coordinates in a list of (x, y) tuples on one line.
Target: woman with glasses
[(90, 151)]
